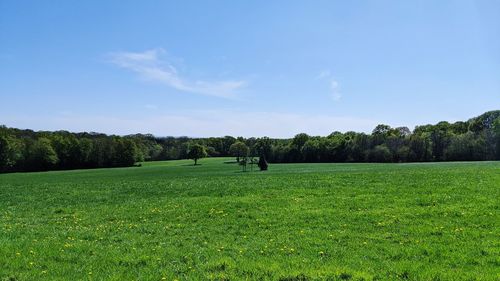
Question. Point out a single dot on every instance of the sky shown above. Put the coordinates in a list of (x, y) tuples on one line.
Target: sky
[(246, 68)]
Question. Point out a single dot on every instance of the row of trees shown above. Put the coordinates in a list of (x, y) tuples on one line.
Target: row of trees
[(25, 150), (475, 139), (472, 140)]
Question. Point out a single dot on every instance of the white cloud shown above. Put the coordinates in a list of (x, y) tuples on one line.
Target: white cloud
[(334, 89), (334, 85), (324, 74), (202, 124), (151, 65)]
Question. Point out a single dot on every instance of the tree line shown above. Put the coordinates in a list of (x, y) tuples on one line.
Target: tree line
[(472, 140)]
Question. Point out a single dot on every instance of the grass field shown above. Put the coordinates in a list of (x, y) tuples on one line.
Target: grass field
[(171, 220)]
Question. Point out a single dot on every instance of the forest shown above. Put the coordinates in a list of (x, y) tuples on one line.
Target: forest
[(476, 139)]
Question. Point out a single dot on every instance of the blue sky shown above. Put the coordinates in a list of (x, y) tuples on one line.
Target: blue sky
[(246, 68)]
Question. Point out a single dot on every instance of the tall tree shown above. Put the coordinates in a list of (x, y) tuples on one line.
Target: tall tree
[(263, 147), (239, 149), (197, 151), (10, 152), (41, 155)]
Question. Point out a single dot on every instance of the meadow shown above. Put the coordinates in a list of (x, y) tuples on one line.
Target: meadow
[(174, 221)]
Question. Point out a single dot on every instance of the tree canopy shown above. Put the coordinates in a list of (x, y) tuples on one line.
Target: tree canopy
[(239, 149), (197, 151)]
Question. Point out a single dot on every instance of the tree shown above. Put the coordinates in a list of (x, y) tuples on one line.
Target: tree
[(461, 147), (263, 146), (359, 147), (299, 140), (420, 147), (262, 163), (311, 150), (197, 151), (496, 133), (403, 131), (126, 153), (86, 146), (440, 137), (243, 163), (382, 129), (381, 133), (227, 141), (239, 149), (41, 155), (484, 121), (380, 153), (9, 152)]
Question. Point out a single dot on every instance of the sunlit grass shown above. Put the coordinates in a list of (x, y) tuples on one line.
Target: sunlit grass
[(171, 220)]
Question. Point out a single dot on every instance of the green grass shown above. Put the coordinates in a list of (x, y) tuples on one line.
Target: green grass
[(173, 220)]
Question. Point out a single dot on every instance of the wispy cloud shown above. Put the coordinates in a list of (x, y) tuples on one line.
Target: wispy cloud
[(334, 89), (324, 74), (152, 65), (334, 85)]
